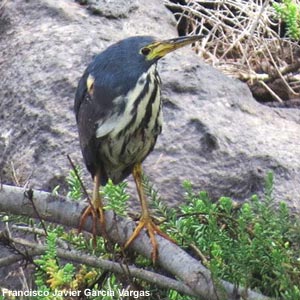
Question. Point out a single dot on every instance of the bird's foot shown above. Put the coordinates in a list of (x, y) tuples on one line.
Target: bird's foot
[(152, 229), (97, 215)]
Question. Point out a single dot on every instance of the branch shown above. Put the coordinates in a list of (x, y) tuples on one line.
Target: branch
[(172, 258), (80, 258)]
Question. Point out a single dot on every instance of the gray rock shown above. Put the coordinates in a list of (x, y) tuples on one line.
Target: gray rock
[(221, 139), (215, 134), (112, 9)]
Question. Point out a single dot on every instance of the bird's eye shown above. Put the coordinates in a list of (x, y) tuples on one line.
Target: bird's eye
[(145, 51)]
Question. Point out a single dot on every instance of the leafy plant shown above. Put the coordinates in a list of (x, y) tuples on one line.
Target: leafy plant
[(289, 12), (116, 196), (250, 244), (50, 276), (55, 281), (73, 180)]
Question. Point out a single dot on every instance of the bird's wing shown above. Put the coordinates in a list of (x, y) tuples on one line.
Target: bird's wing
[(104, 127), (92, 107)]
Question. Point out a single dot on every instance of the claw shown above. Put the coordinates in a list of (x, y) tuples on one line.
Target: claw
[(97, 217), (146, 220), (152, 229), (95, 210)]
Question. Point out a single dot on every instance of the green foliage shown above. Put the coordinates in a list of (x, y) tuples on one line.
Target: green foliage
[(75, 190), (116, 197), (289, 12), (250, 244), (174, 295), (55, 280), (155, 203), (115, 193), (50, 276)]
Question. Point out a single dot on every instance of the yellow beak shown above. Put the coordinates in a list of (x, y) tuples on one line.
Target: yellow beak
[(159, 49)]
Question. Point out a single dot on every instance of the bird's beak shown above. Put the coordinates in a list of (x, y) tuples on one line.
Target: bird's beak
[(159, 49)]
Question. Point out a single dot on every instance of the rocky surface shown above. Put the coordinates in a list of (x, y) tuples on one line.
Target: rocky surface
[(215, 134)]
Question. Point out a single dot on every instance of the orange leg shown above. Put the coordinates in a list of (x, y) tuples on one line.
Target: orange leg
[(95, 209), (145, 220)]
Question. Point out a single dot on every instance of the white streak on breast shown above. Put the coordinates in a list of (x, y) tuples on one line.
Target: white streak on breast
[(116, 123)]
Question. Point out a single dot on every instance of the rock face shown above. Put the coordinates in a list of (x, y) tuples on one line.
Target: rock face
[(227, 139), (215, 134)]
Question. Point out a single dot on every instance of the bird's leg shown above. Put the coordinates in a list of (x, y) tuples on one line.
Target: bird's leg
[(95, 209), (145, 220)]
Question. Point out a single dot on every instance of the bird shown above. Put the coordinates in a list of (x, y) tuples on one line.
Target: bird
[(118, 111)]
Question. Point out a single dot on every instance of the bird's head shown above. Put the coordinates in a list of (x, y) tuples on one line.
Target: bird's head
[(157, 49), (142, 51), (125, 61), (147, 50)]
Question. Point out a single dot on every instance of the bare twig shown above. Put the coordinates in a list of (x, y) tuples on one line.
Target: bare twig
[(242, 34), (61, 243), (274, 95), (29, 195), (200, 254), (253, 28), (280, 75), (14, 174)]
